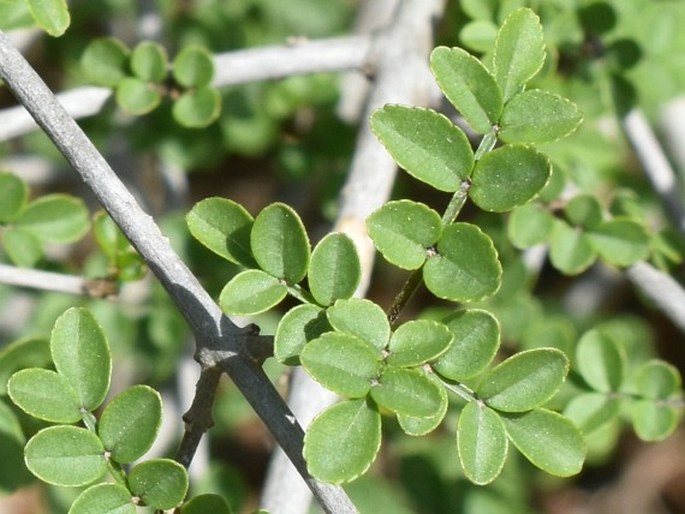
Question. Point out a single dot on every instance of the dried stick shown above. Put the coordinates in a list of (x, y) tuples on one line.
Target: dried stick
[(219, 341)]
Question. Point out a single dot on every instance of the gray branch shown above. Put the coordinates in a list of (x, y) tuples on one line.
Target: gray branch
[(232, 68), (401, 76), (43, 280), (662, 289), (219, 341)]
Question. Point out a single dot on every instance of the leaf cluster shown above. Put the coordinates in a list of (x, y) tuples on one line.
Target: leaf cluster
[(79, 448), (143, 76)]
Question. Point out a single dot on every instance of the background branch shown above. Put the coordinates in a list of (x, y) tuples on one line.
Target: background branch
[(219, 341)]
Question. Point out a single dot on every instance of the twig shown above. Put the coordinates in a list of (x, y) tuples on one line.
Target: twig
[(401, 76), (232, 68), (47, 280), (662, 289), (656, 165), (219, 341)]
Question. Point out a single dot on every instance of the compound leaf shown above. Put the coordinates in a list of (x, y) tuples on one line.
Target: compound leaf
[(417, 342), (343, 440), (129, 424), (297, 327), (44, 394), (468, 85), (657, 380), (465, 267), (251, 292), (482, 443), (13, 196), (620, 241), (65, 455), (56, 218), (224, 227), (198, 108), (362, 318), (548, 440), (519, 51), (104, 499), (342, 363), (149, 61), (193, 67), (403, 230), (409, 392), (81, 354), (592, 411), (51, 15), (600, 361), (334, 269), (137, 96), (525, 380), (426, 144), (653, 421), (104, 62), (507, 177), (280, 244), (160, 483), (476, 340), (537, 116)]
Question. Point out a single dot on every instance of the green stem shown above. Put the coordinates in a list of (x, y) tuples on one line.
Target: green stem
[(464, 392), (405, 294), (300, 293), (456, 203), (486, 144), (117, 472)]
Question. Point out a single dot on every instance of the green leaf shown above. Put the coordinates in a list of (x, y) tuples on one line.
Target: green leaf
[(56, 218), (362, 318), (592, 411), (476, 340), (342, 441), (600, 361), (297, 327), (44, 394), (417, 426), (104, 62), (13, 196), (519, 51), (13, 473), (137, 96), (478, 35), (584, 211), (537, 116), (280, 244), (81, 354), (403, 230), (129, 424), (548, 440), (65, 455), (507, 177), (24, 353), (251, 292), (409, 392), (481, 442), (51, 15), (206, 503), (653, 421), (197, 109), (426, 144), (22, 246), (109, 236), (193, 67), (104, 499), (342, 363), (621, 242), (334, 269), (657, 380), (529, 225), (570, 249), (149, 61), (524, 381), (224, 227), (466, 267), (480, 9), (468, 85), (417, 342), (160, 483)]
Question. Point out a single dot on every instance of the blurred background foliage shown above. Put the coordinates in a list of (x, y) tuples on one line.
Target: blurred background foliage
[(282, 140)]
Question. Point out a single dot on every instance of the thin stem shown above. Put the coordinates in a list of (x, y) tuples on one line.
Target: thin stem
[(486, 144), (464, 392), (300, 293), (456, 203)]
